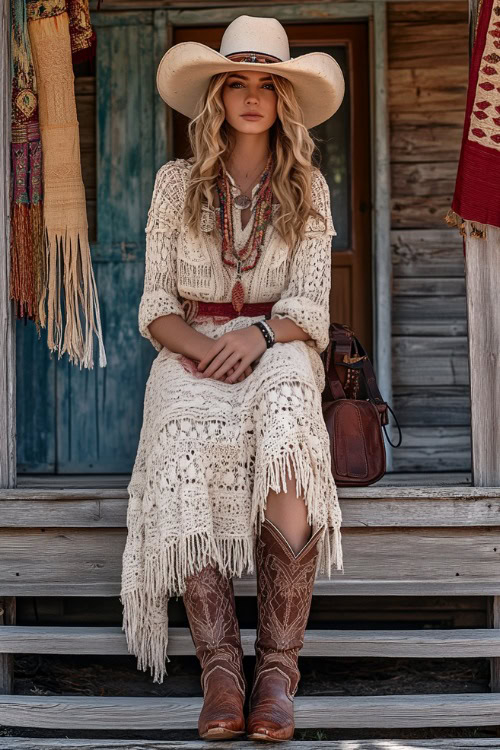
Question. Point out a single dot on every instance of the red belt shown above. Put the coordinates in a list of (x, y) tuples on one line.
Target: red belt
[(227, 310)]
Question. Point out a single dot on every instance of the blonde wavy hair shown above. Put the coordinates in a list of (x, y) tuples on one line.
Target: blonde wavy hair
[(211, 140)]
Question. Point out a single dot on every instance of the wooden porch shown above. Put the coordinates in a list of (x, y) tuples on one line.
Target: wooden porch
[(413, 534), (408, 535)]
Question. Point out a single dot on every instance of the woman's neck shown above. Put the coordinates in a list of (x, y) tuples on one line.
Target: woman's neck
[(250, 152)]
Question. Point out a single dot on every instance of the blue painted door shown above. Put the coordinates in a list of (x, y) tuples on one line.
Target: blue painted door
[(88, 421)]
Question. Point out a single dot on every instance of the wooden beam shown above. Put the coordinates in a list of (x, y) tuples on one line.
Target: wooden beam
[(7, 319), (381, 214), (409, 561), (97, 712), (38, 743), (419, 644), (482, 274), (362, 507)]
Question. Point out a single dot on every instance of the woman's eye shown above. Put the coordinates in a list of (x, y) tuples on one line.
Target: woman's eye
[(238, 83)]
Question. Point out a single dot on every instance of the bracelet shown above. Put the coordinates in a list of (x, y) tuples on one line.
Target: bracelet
[(267, 332)]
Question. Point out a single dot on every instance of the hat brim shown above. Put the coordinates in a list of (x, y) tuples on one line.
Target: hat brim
[(186, 68)]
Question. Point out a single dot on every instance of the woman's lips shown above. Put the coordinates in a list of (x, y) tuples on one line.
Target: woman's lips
[(252, 117)]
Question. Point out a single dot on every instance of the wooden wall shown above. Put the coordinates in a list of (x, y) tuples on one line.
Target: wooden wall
[(428, 73)]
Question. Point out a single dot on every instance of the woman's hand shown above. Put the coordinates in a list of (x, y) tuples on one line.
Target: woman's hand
[(232, 353), (190, 365)]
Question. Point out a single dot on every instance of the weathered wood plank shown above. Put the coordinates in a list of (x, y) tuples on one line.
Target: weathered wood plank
[(483, 314), (426, 142), (434, 447), (89, 712), (423, 179), (420, 212), (427, 252), (419, 406), (448, 117), (37, 743), (429, 88), (372, 506), (456, 643), (288, 12), (418, 286), (419, 43), (427, 315), (98, 482), (409, 560), (431, 13), (430, 360), (381, 206)]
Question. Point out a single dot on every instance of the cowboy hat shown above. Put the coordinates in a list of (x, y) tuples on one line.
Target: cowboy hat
[(185, 69)]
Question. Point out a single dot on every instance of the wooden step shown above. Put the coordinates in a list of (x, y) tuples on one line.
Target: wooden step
[(127, 713), (424, 506), (454, 743), (456, 643)]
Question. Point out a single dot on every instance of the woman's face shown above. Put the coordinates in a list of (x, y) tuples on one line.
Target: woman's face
[(249, 91)]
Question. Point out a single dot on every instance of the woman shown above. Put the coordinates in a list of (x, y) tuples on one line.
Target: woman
[(233, 466)]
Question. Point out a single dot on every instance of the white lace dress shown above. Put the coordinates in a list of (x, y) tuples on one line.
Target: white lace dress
[(210, 451)]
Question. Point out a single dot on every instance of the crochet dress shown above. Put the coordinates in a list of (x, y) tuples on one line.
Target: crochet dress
[(210, 451)]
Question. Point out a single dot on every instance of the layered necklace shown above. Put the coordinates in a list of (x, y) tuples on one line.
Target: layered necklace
[(246, 258)]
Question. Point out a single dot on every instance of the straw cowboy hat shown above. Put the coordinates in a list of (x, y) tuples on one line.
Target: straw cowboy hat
[(253, 43)]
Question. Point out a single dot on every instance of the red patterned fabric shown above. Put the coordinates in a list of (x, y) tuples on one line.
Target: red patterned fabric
[(477, 189)]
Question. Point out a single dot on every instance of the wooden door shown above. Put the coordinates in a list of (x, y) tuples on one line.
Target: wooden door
[(344, 143), (88, 421)]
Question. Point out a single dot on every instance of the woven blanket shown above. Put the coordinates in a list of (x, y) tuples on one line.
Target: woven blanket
[(476, 200)]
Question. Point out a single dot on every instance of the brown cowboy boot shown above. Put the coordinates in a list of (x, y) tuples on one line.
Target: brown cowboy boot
[(284, 592), (210, 607)]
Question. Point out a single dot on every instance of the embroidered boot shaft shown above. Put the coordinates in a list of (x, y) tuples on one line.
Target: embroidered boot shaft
[(210, 607), (284, 592)]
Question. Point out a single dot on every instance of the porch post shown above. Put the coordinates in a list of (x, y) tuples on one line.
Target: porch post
[(482, 277), (7, 321)]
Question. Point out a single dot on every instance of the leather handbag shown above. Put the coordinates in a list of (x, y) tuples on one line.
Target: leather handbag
[(354, 411)]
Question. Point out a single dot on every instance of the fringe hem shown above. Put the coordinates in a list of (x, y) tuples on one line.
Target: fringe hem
[(166, 567), (145, 608), (313, 483)]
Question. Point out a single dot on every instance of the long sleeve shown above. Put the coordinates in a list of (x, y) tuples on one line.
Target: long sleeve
[(306, 298), (160, 296)]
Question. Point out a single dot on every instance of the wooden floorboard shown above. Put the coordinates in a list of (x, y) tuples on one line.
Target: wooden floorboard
[(120, 481), (138, 713), (462, 743), (455, 643)]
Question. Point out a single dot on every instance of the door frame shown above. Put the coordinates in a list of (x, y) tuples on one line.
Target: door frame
[(375, 14)]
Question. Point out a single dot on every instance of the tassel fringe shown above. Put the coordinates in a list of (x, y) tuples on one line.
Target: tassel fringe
[(313, 482), (68, 265), (466, 227)]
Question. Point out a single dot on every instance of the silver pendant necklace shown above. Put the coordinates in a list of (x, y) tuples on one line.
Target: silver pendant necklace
[(242, 201)]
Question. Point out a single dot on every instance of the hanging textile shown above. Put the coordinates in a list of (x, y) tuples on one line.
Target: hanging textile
[(476, 200), (68, 265), (83, 37), (26, 220)]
